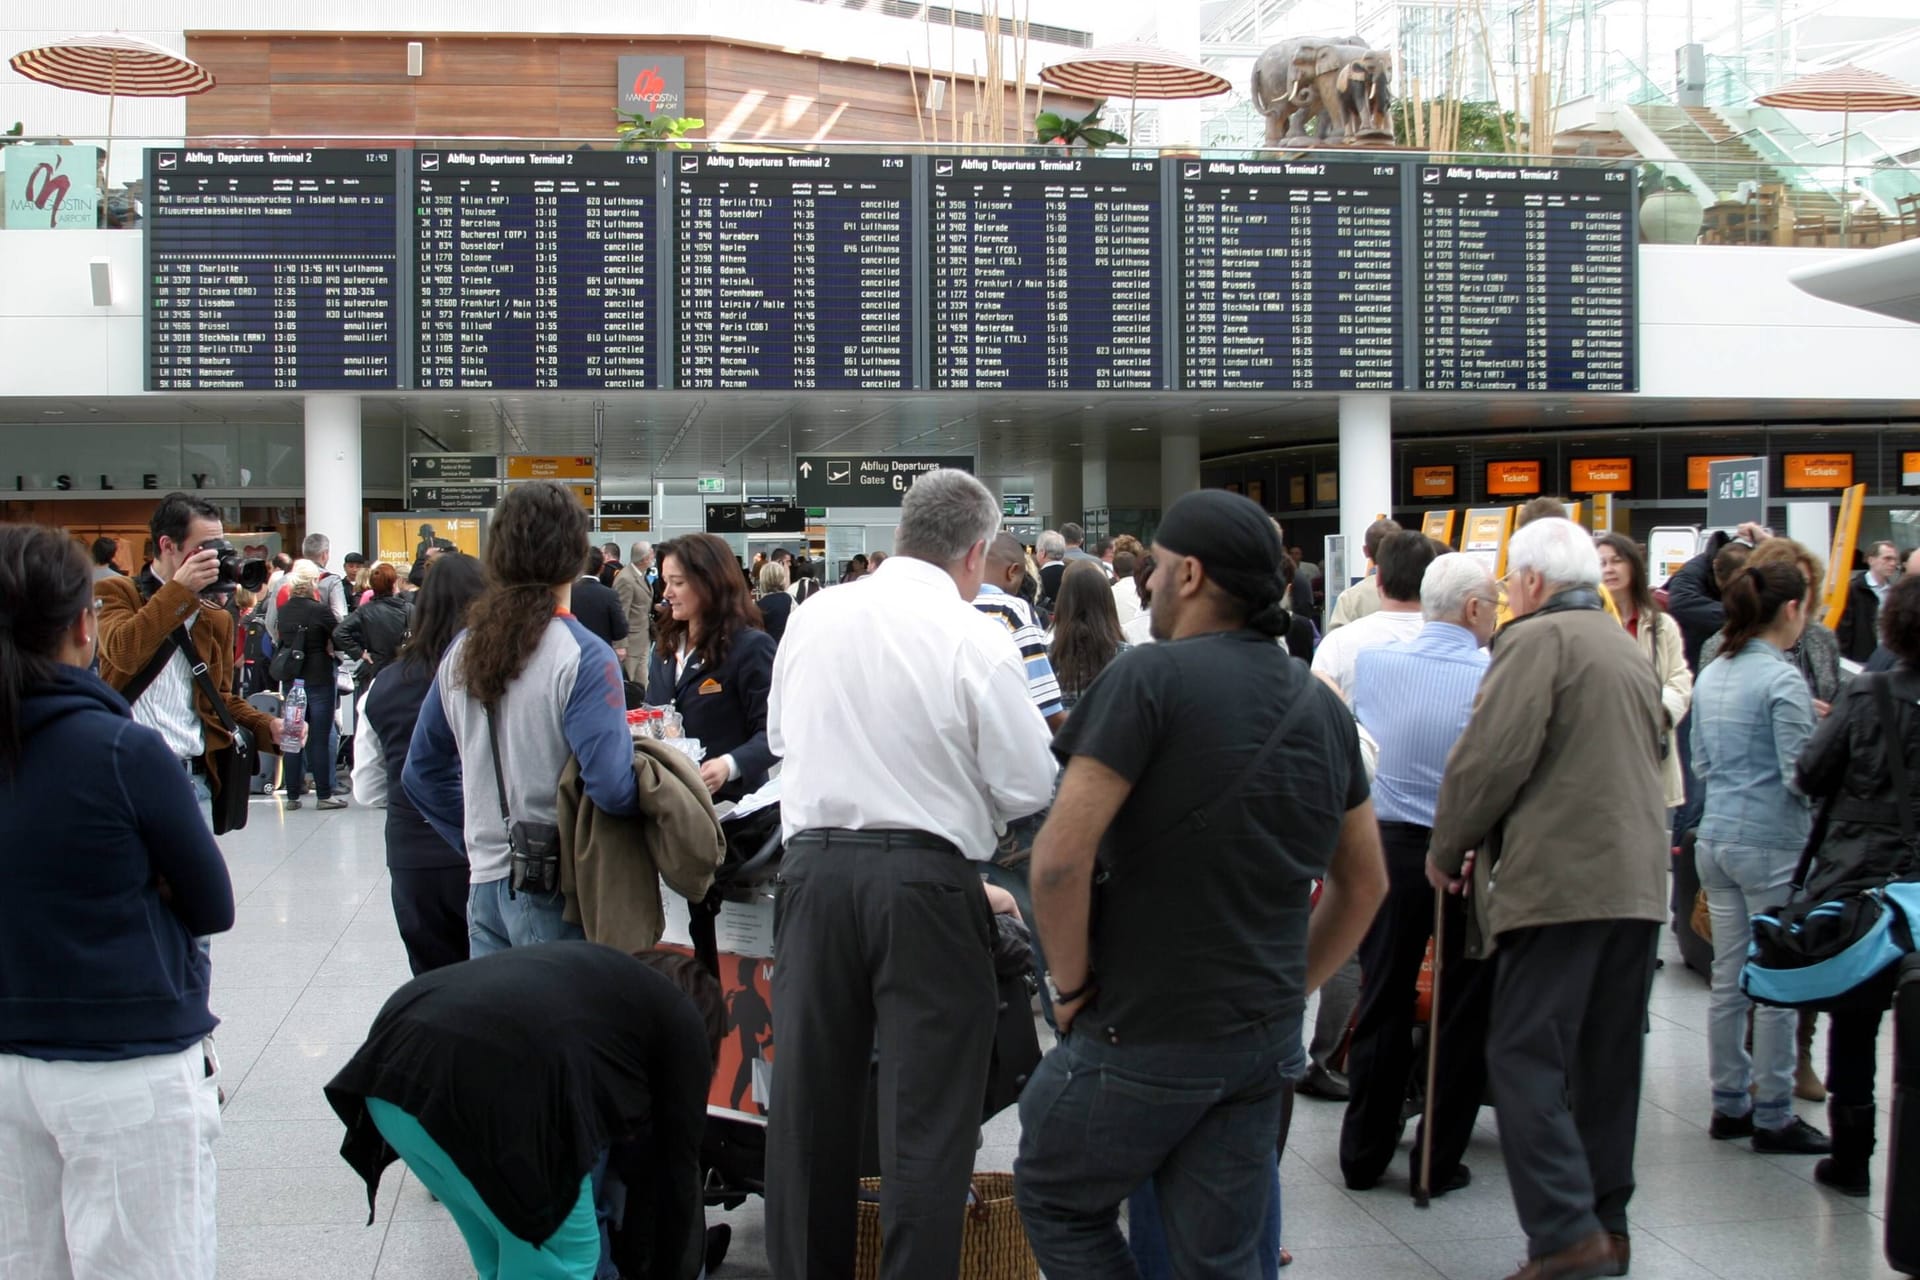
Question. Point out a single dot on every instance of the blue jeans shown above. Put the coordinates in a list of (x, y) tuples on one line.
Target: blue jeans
[(321, 748), (1199, 1121), (1147, 1235), (1741, 882), (498, 919)]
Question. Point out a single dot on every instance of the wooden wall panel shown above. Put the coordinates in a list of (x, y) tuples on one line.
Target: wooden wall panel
[(319, 111), (234, 62), (244, 110), (487, 111), (339, 60)]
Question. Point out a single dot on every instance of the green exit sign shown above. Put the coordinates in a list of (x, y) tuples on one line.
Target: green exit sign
[(713, 484)]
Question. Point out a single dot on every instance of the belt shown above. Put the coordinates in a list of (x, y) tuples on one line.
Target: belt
[(876, 839), (194, 765), (1409, 827)]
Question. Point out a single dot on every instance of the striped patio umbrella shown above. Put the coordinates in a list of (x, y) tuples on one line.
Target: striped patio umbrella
[(114, 66), (1135, 71), (1844, 89)]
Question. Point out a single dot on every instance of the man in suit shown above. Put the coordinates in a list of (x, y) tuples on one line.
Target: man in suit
[(636, 598), (1859, 629), (138, 615), (598, 608)]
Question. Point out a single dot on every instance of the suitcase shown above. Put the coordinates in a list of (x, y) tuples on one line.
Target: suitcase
[(1903, 1145), (1695, 951), (266, 765)]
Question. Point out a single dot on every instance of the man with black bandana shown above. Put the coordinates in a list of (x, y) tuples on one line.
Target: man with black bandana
[(1209, 781)]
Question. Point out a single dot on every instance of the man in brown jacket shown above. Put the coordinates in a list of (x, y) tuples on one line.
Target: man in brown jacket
[(138, 615), (1556, 785)]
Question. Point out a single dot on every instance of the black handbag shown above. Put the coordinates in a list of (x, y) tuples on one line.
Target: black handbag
[(232, 767), (289, 661)]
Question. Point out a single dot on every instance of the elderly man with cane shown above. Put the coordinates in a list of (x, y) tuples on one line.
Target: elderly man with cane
[(1557, 782), (1415, 699)]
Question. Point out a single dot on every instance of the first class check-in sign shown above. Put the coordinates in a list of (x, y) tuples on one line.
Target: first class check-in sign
[(866, 480)]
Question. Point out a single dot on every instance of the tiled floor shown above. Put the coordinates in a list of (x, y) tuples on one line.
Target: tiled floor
[(314, 955)]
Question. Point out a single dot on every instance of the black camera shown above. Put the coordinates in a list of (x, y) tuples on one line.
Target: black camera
[(235, 570)]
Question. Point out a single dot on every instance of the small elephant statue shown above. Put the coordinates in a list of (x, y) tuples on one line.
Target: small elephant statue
[(1338, 84)]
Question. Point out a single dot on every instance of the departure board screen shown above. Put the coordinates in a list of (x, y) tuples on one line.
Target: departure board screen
[(536, 270), (1526, 279), (1046, 274), (794, 272), (1291, 276), (272, 269)]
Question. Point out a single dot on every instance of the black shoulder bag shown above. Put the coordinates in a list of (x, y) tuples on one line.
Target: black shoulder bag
[(533, 848), (289, 660), (232, 766)]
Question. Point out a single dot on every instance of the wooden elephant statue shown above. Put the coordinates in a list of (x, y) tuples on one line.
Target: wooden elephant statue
[(1287, 86), (1360, 97)]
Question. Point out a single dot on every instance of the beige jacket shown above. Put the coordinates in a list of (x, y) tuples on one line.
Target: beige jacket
[(636, 597), (1669, 665), (1557, 780), (611, 867), (1356, 602)]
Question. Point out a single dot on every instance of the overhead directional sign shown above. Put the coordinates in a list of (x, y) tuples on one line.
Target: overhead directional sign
[(1736, 492), (453, 466), (866, 480), (455, 497)]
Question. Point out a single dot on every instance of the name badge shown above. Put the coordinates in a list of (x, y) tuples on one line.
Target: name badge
[(709, 686)]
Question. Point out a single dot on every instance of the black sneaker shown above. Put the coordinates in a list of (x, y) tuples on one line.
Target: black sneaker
[(1725, 1126), (1795, 1138), (1328, 1086)]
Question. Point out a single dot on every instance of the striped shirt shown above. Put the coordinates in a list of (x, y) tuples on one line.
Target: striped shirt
[(167, 707), (1017, 615), (1415, 698)]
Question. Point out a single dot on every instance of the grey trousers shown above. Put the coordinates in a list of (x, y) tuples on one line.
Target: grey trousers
[(886, 937), (1337, 1001), (1564, 1051)]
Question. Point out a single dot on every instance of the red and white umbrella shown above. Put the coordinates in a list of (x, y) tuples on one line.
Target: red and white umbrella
[(1135, 71), (115, 66), (1844, 89)]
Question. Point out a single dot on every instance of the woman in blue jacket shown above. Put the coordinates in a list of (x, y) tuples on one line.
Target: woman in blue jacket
[(714, 663), (109, 1100)]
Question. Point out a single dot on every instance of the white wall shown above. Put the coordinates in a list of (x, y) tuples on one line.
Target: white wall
[(53, 340)]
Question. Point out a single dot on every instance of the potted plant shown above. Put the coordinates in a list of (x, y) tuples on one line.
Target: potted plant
[(1065, 131), (638, 131), (1669, 211)]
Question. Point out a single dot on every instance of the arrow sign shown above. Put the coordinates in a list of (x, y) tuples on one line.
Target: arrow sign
[(806, 470), (866, 480)]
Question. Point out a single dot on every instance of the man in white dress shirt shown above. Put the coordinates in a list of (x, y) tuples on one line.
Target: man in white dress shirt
[(907, 728)]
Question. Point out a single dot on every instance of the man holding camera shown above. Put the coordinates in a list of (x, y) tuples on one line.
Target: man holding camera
[(185, 586)]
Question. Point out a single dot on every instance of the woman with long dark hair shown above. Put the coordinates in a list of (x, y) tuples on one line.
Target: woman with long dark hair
[(713, 663), (428, 876), (521, 690), (1623, 575), (1086, 629), (1751, 718), (109, 1105)]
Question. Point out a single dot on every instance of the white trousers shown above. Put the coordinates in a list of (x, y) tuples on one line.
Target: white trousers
[(106, 1168)]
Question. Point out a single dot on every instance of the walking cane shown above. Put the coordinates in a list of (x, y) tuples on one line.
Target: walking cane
[(1423, 1193)]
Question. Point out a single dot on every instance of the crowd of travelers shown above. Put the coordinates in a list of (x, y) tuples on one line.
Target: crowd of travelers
[(1205, 808)]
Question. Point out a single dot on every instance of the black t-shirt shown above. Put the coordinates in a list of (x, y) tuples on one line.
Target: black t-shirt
[(1200, 926)]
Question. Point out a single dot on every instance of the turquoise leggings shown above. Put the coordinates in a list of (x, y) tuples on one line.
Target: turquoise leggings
[(571, 1253)]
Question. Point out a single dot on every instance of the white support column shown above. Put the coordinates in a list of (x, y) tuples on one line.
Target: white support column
[(1179, 467), (1366, 467), (335, 500)]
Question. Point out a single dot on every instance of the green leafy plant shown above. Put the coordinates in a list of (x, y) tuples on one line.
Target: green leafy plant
[(1483, 126), (1064, 131), (14, 134), (638, 131), (1655, 178)]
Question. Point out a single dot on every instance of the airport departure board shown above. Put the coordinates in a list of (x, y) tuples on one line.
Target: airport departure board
[(536, 270), (794, 272), (1047, 274), (1291, 276), (1526, 278), (272, 269)]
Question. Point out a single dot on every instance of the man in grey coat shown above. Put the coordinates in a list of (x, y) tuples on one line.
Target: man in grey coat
[(636, 597), (1554, 794)]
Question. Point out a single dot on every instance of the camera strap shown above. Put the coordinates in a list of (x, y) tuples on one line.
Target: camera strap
[(141, 682), (499, 778)]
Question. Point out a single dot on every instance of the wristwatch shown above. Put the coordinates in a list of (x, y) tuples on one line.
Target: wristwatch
[(1056, 997)]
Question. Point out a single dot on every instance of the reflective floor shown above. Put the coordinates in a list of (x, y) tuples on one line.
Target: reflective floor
[(315, 953)]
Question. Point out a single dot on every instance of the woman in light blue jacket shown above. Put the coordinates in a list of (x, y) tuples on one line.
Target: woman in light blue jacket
[(1751, 716)]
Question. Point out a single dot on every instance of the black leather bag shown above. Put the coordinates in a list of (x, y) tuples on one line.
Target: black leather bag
[(533, 848), (289, 662), (232, 767)]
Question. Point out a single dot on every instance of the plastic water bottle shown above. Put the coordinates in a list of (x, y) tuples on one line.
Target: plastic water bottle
[(294, 714)]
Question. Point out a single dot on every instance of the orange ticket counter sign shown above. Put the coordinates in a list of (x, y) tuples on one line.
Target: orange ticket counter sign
[(1602, 475), (1433, 482), (1700, 468), (1809, 471), (1438, 524), (542, 466), (1910, 470), (1513, 479), (1486, 534)]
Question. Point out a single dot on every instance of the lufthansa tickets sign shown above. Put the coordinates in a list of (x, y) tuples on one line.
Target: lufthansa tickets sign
[(866, 480)]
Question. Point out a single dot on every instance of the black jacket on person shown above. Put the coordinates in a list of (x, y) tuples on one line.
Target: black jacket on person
[(1846, 759), (599, 611), (1693, 600), (374, 631), (775, 608), (94, 965), (726, 707), (392, 708), (307, 624), (524, 1066), (1859, 628)]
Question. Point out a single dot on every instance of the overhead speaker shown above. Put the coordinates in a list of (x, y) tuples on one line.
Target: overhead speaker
[(416, 58), (102, 280)]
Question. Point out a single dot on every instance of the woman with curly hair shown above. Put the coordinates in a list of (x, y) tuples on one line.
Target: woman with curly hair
[(524, 687)]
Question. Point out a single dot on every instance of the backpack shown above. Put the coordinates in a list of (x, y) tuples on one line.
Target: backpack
[(806, 590)]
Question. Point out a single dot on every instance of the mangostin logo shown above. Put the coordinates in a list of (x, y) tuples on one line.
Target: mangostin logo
[(654, 87)]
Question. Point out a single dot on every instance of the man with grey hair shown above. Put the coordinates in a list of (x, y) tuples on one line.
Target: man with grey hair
[(1415, 698), (332, 590), (636, 597), (1051, 551), (1557, 783), (908, 730)]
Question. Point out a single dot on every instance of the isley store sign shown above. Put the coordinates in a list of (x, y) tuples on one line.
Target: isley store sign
[(65, 483), (654, 88)]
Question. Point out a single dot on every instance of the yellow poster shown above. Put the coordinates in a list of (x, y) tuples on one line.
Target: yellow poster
[(401, 538)]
